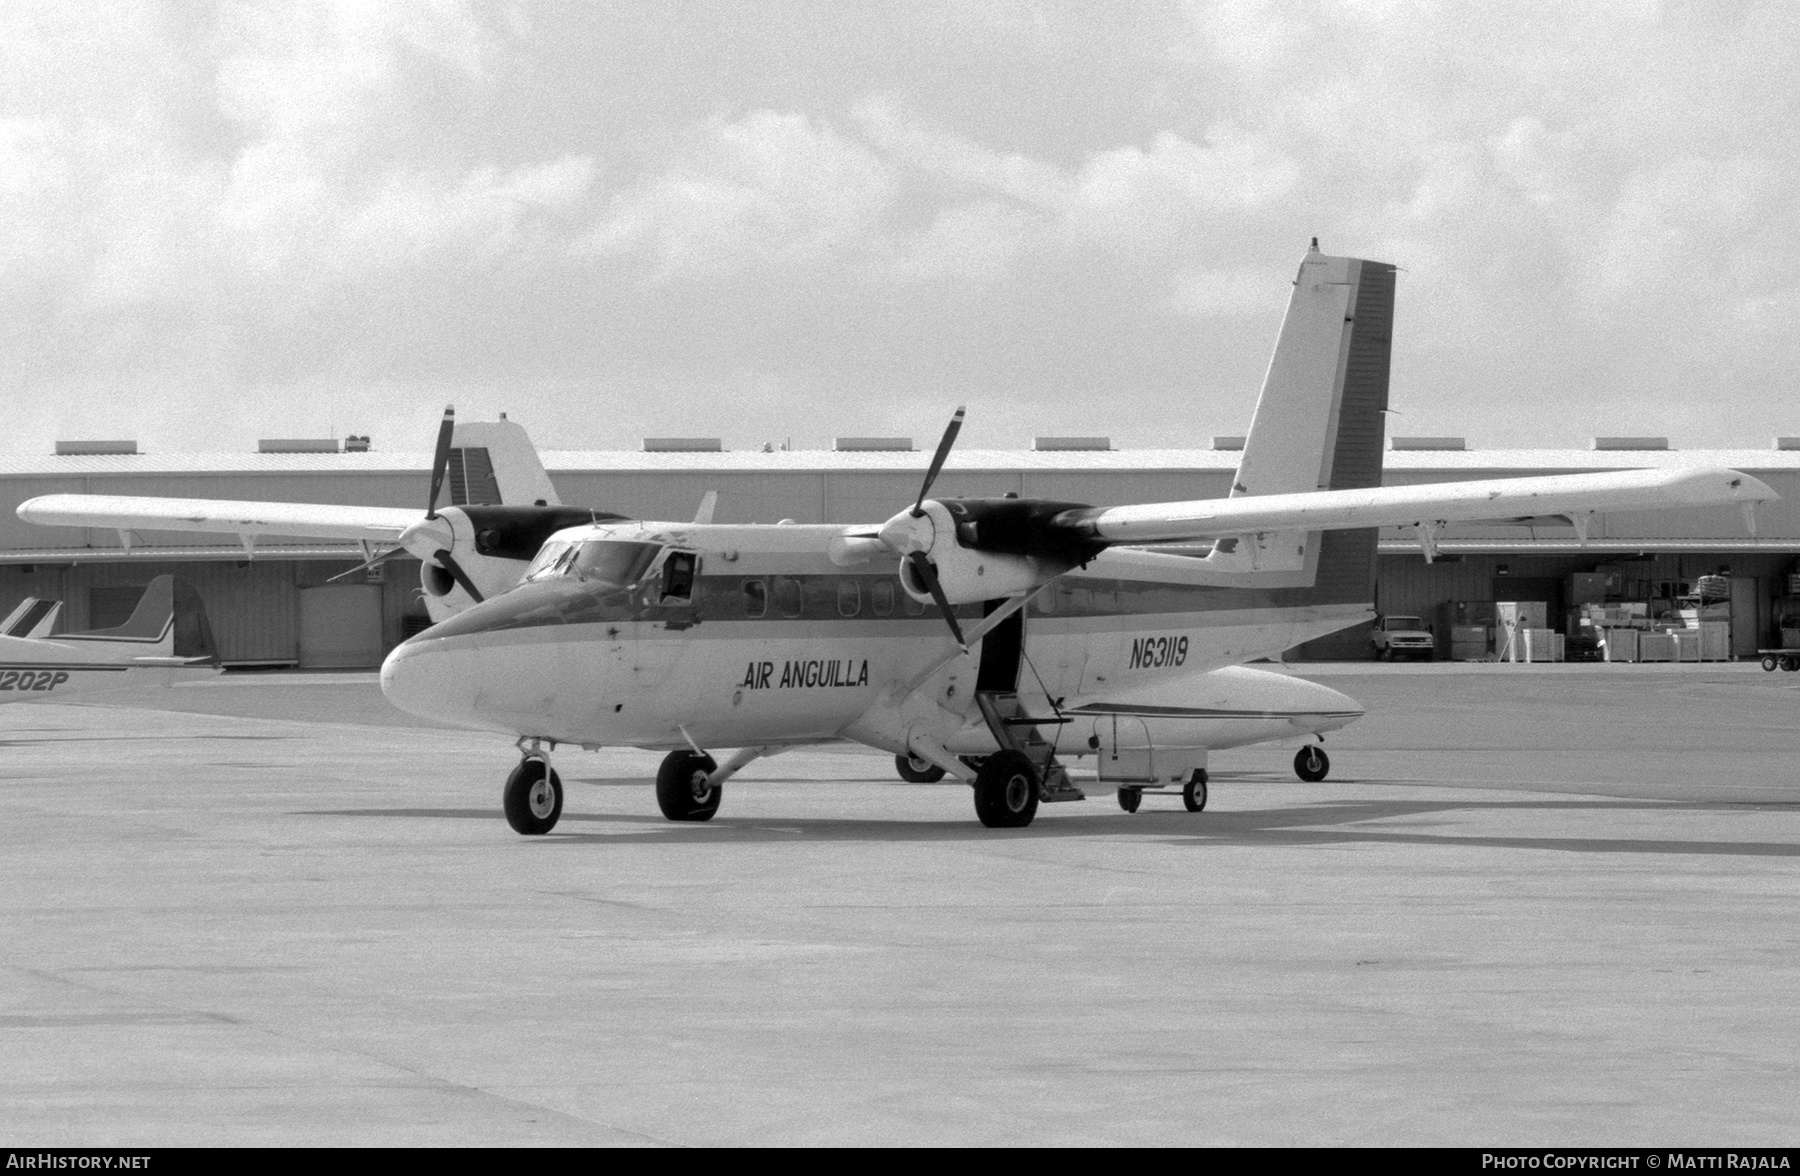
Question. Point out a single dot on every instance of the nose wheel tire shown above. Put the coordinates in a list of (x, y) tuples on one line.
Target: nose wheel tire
[(1130, 798), (1006, 791), (533, 797), (1311, 763), (1193, 793), (914, 770), (682, 791)]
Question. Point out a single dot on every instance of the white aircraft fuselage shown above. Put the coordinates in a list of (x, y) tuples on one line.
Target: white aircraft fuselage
[(775, 644)]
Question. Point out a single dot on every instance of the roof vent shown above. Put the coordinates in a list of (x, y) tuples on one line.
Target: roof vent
[(1631, 442), (683, 445), (1070, 444), (297, 445), (94, 448), (1456, 443), (873, 445), (355, 444), (1228, 442), (1787, 442)]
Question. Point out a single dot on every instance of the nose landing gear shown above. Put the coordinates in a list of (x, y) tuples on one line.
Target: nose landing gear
[(1311, 763), (533, 796)]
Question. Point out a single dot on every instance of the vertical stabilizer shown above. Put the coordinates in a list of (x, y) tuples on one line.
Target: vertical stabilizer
[(494, 463), (1319, 421)]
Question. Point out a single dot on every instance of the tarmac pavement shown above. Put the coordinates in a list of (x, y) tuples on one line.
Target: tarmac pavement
[(1530, 906)]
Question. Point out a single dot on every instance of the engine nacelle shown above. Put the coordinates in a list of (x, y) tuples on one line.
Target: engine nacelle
[(968, 576), (468, 543)]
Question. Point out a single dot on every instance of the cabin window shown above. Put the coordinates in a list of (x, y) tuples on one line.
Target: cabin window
[(849, 598), (913, 608), (756, 598), (788, 597), (881, 597)]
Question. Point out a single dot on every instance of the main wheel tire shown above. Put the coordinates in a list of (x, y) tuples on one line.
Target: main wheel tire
[(1193, 793), (532, 798), (1769, 664), (1311, 763), (1130, 798), (914, 770), (1006, 791), (682, 792)]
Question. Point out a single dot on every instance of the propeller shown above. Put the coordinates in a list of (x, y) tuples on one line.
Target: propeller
[(440, 461), (937, 461), (423, 533), (926, 574)]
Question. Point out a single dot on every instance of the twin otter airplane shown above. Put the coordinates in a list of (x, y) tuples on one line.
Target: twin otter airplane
[(991, 639)]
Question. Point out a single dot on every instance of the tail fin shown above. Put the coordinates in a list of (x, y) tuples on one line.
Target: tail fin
[(168, 617), (193, 636), (494, 463), (1318, 422), (33, 618)]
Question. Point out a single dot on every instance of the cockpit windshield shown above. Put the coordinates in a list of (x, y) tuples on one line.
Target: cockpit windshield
[(616, 563)]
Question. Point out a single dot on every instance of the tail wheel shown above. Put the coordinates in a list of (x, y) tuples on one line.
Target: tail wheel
[(1311, 763), (533, 797), (1193, 793), (914, 770), (683, 792), (1130, 798), (1006, 791)]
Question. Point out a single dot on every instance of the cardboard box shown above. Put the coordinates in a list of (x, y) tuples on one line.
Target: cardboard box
[(1621, 644), (1655, 647)]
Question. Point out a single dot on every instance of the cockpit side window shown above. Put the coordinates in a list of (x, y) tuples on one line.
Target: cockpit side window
[(678, 577)]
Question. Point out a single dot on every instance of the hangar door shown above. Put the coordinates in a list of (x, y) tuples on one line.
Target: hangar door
[(340, 627)]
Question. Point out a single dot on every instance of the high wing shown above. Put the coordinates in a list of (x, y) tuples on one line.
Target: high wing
[(373, 524), (1569, 495)]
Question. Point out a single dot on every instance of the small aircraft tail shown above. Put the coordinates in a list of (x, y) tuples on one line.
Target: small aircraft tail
[(33, 618), (1319, 420), (169, 621), (494, 463)]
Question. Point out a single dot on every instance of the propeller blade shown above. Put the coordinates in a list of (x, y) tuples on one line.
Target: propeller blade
[(440, 461), (937, 461), (927, 575), (448, 563), (363, 567)]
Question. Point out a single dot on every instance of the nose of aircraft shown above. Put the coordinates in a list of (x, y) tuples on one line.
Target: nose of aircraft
[(1334, 709), (408, 679)]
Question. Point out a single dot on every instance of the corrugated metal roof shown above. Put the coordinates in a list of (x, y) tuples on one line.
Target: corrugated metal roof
[(1466, 462)]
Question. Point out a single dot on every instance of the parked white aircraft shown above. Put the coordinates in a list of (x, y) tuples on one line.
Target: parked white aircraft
[(988, 638), (166, 638)]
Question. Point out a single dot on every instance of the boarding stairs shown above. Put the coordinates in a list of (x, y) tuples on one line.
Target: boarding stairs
[(1015, 730)]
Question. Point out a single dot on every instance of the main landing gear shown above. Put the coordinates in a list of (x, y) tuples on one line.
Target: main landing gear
[(1311, 763), (1193, 794), (533, 797), (914, 770), (684, 790), (1006, 791)]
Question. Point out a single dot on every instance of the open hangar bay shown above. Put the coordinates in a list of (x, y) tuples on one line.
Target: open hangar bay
[(1524, 909)]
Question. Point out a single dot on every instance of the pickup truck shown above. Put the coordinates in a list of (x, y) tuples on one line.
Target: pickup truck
[(1395, 637)]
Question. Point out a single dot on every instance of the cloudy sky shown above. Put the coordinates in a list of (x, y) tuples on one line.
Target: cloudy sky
[(225, 221)]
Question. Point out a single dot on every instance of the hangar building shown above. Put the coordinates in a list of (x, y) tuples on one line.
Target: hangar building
[(273, 605)]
